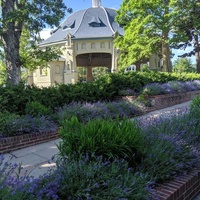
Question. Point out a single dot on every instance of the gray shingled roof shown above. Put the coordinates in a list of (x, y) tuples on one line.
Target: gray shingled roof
[(94, 22)]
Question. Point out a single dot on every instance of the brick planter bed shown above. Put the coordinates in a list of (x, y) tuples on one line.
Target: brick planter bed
[(185, 187), (18, 142), (163, 101)]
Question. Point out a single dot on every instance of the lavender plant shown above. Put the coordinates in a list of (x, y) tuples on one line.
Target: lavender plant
[(99, 110), (171, 146), (17, 125)]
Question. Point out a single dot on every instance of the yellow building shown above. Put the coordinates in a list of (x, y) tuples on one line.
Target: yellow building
[(86, 39)]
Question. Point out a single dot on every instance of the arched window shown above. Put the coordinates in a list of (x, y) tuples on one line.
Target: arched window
[(102, 45), (83, 46), (93, 46)]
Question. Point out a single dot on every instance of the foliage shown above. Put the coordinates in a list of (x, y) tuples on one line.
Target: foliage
[(183, 65), (171, 87), (147, 25), (2, 72), (171, 145), (35, 108), (17, 16), (195, 105), (186, 28), (80, 179), (107, 138), (11, 124), (168, 145), (15, 98), (31, 56), (87, 111)]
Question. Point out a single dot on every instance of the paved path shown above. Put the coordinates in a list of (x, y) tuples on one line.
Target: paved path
[(36, 160)]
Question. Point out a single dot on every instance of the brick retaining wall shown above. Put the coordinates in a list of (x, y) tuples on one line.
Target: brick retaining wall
[(18, 142), (184, 187), (163, 101)]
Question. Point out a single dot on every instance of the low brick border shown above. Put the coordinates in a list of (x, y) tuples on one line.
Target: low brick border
[(18, 142), (185, 187), (163, 101)]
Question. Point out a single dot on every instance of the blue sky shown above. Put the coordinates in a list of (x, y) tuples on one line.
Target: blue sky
[(82, 4)]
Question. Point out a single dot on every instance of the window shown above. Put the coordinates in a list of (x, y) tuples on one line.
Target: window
[(43, 71), (83, 46), (93, 46), (102, 45), (57, 69)]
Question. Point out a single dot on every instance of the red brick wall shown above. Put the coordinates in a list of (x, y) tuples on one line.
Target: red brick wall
[(163, 101), (17, 142), (184, 187)]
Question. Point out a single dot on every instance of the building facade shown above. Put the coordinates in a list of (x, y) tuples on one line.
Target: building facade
[(86, 39)]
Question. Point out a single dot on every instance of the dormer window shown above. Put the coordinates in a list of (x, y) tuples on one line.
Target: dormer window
[(69, 25), (95, 22)]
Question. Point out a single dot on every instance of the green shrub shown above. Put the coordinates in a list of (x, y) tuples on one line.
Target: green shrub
[(171, 146), (101, 180), (12, 124), (195, 103), (35, 108), (109, 138)]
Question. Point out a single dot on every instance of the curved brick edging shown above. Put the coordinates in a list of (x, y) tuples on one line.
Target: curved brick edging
[(163, 101), (18, 142), (184, 187)]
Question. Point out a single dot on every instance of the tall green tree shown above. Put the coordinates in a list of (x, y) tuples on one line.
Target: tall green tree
[(147, 25), (31, 56), (183, 65), (31, 15), (186, 28)]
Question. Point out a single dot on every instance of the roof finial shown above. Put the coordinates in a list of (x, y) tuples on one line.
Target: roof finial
[(96, 3)]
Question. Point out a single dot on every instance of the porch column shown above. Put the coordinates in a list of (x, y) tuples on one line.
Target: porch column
[(89, 77)]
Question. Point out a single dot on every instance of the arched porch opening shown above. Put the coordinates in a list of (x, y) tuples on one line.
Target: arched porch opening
[(91, 60)]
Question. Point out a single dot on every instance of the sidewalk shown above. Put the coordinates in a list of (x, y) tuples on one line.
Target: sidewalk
[(36, 160)]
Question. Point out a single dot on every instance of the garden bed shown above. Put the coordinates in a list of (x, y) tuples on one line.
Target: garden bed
[(185, 187), (13, 143)]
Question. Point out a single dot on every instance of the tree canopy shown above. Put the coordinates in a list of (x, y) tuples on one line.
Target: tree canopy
[(18, 15), (147, 25), (186, 28), (183, 65), (156, 26)]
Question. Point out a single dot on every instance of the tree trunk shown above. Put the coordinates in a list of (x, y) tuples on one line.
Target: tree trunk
[(11, 40), (166, 53), (196, 48)]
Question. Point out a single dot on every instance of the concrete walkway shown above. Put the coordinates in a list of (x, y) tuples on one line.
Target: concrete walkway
[(37, 160)]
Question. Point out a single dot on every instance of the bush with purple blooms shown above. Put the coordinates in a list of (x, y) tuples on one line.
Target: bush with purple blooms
[(81, 179), (12, 124), (99, 110), (170, 87), (95, 161)]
